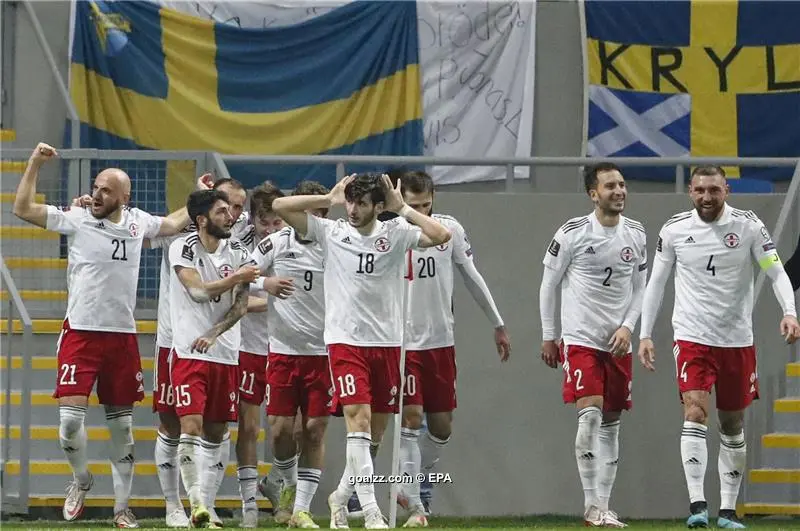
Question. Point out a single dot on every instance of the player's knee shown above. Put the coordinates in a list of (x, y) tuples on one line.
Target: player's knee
[(412, 417), (281, 428), (192, 425), (170, 426), (731, 425), (314, 434), (441, 431), (694, 412), (70, 427)]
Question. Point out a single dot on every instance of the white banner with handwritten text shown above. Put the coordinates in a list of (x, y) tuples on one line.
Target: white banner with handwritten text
[(477, 68)]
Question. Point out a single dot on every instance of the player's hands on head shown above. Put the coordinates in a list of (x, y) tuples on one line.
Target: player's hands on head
[(203, 343), (647, 354), (248, 273), (550, 353), (281, 287), (394, 197), (82, 202), (503, 343), (336, 195), (790, 329), (205, 182), (620, 342), (42, 153)]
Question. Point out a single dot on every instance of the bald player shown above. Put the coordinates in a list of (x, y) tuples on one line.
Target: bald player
[(98, 339)]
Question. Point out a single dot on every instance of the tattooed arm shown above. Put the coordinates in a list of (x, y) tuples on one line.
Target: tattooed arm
[(231, 317)]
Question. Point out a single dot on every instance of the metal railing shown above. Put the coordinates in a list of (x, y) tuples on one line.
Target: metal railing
[(17, 504)]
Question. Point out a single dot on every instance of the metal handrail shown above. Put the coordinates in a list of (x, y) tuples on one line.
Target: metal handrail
[(27, 368)]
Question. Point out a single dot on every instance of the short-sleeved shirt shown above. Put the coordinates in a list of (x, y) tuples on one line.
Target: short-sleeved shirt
[(102, 265), (191, 319), (297, 323), (364, 279)]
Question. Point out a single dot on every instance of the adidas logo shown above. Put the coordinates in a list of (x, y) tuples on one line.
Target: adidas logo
[(346, 239), (689, 240), (692, 461), (127, 459), (589, 250), (291, 255), (218, 466), (185, 460), (200, 262), (166, 466), (588, 456), (734, 474), (101, 225), (70, 449)]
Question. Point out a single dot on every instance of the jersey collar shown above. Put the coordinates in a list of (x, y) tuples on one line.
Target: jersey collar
[(597, 228)]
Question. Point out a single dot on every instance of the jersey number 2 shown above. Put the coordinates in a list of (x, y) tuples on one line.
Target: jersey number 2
[(609, 272)]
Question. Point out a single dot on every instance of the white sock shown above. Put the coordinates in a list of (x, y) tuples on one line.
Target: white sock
[(608, 457), (210, 465), (248, 482), (586, 452), (346, 487), (732, 462), (694, 455), (287, 470), (411, 463), (361, 465), (307, 483), (224, 457), (73, 440), (431, 447), (190, 460), (166, 458), (120, 427)]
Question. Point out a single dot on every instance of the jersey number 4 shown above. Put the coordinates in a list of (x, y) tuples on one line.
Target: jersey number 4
[(710, 267)]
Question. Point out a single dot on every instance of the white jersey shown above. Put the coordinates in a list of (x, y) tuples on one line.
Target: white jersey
[(430, 303), (598, 264), (241, 226), (255, 334), (164, 325), (103, 265), (297, 323), (364, 279), (714, 274), (191, 319)]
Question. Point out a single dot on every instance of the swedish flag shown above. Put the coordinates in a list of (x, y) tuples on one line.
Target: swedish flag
[(699, 77), (147, 77)]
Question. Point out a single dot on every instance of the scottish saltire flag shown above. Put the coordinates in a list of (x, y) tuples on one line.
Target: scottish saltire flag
[(147, 77), (701, 78)]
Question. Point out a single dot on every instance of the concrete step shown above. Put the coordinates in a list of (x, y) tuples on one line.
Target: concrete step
[(784, 493), (7, 136), (793, 379), (774, 475), (781, 440), (29, 241), (757, 508), (45, 369), (143, 415), (780, 457), (787, 405), (37, 295), (13, 166), (49, 274)]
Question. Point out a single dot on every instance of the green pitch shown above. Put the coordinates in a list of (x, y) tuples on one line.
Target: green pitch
[(528, 522)]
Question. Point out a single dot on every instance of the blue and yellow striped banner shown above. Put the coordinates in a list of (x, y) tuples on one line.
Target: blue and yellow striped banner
[(147, 77), (737, 63)]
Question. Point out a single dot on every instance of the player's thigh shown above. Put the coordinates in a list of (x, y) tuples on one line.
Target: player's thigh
[(163, 395), (413, 390), (222, 402), (584, 372), (316, 391), (619, 383), (190, 385), (439, 383), (384, 379), (252, 378), (695, 366), (79, 361), (249, 419), (121, 382), (352, 374), (282, 395), (737, 381)]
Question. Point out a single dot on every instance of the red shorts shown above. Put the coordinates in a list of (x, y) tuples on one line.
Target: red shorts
[(205, 388), (252, 378), (110, 358), (365, 375), (302, 382), (163, 397), (592, 372), (732, 370), (431, 379)]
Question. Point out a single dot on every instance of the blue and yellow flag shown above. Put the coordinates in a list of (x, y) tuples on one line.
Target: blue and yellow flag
[(699, 77), (347, 82)]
